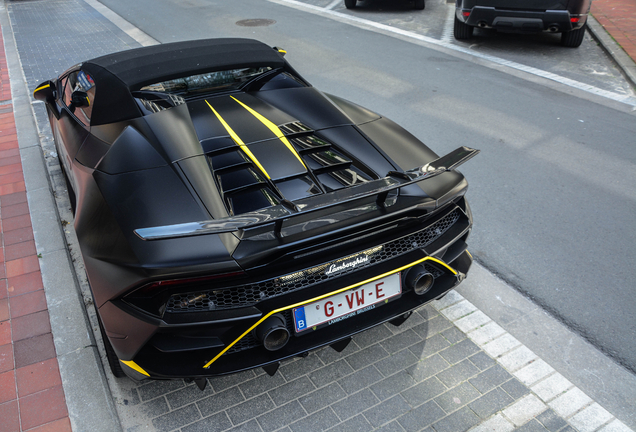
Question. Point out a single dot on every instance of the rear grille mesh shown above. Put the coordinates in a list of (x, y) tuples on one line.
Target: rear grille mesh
[(251, 294)]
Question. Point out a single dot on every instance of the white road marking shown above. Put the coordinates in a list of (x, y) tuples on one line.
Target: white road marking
[(333, 4), (433, 43), (447, 34)]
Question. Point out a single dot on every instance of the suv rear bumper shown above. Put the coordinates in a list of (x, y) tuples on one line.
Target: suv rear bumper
[(515, 21)]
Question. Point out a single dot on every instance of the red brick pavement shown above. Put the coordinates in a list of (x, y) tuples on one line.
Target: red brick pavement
[(31, 394), (618, 17)]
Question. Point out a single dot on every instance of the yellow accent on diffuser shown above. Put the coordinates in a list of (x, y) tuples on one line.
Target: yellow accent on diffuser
[(208, 364), (131, 364)]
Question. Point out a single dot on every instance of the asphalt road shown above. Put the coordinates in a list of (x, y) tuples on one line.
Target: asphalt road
[(553, 192)]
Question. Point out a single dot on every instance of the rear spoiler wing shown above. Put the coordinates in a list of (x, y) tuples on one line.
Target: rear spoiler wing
[(379, 188)]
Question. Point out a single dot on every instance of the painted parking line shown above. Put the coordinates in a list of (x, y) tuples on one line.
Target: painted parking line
[(446, 44)]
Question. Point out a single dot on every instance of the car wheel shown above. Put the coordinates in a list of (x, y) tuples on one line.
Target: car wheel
[(350, 4), (420, 4), (113, 361), (462, 30), (573, 38)]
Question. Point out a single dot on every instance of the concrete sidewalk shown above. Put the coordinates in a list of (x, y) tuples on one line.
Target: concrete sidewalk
[(450, 367)]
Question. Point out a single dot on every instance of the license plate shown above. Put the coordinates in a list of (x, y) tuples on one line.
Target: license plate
[(347, 304)]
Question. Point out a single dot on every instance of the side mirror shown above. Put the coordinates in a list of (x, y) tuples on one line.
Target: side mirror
[(45, 92), (80, 99)]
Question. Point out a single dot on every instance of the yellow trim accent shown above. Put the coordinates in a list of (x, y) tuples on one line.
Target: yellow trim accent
[(41, 88), (282, 51), (442, 263), (238, 141), (271, 126), (469, 254), (131, 364)]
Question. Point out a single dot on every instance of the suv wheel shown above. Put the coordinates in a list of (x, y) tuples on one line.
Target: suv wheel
[(350, 4), (462, 30), (573, 38)]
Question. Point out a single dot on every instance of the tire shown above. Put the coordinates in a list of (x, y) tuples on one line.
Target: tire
[(420, 4), (350, 4), (573, 38), (461, 30), (113, 361)]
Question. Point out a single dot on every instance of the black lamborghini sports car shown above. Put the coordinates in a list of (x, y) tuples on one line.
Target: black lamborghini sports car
[(231, 216)]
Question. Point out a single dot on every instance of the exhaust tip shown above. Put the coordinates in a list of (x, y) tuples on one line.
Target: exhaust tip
[(553, 28), (273, 333), (419, 280), (482, 24)]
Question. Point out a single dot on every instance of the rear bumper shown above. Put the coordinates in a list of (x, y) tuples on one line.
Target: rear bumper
[(203, 344), (516, 21)]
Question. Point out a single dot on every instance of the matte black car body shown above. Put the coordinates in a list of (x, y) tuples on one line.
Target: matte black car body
[(567, 17), (205, 217)]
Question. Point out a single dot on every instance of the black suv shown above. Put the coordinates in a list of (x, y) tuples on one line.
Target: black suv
[(568, 17)]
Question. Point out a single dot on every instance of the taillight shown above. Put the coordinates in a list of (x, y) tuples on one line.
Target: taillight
[(574, 20), (466, 14)]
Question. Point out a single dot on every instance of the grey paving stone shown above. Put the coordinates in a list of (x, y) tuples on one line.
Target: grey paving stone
[(490, 378), (394, 426), (515, 388), (220, 401), (330, 373), (155, 407), (250, 426), (215, 423), (303, 366), (292, 390), (366, 356), (176, 419), (418, 418), (491, 402), (457, 373), (429, 346), (432, 327), (531, 426), (318, 399), (459, 351), (187, 395), (246, 410), (158, 388), (457, 397), (329, 355), (550, 420), (568, 428), (459, 421), (261, 384), (396, 362), (482, 360), (319, 421), (424, 369), (281, 416), (400, 341), (453, 335), (423, 392), (372, 336), (224, 382), (355, 424), (355, 404), (360, 379), (392, 385), (386, 411)]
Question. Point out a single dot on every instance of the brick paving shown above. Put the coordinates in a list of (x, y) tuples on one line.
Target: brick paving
[(618, 17), (448, 368), (31, 393)]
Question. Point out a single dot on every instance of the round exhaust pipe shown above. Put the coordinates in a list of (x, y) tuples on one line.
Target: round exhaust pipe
[(553, 28), (273, 333), (419, 279), (482, 24)]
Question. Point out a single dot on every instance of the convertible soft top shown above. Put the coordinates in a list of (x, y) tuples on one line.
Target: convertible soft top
[(123, 72)]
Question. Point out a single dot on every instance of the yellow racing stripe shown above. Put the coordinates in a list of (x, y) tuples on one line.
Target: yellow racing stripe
[(131, 364), (208, 364), (271, 126), (238, 141)]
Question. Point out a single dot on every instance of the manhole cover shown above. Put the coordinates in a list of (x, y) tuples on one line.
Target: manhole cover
[(259, 22)]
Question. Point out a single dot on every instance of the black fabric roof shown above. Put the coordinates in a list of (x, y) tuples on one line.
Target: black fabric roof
[(116, 75)]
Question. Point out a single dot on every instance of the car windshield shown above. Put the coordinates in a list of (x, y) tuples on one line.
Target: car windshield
[(208, 82)]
